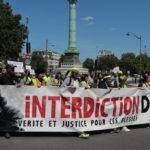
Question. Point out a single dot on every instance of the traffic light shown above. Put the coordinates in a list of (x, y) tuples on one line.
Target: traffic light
[(28, 47)]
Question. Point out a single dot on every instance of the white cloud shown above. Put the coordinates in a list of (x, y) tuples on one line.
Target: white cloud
[(112, 29), (89, 20)]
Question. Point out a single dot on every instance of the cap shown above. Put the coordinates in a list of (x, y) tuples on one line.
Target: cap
[(74, 69)]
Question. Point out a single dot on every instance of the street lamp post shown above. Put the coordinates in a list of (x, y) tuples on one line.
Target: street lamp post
[(28, 44), (140, 39)]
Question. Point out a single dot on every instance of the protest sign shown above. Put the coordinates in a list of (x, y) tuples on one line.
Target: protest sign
[(51, 109)]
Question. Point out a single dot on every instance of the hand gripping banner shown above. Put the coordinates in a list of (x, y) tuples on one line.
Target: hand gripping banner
[(52, 109)]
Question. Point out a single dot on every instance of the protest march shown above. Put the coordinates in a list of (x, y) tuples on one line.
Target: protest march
[(72, 102)]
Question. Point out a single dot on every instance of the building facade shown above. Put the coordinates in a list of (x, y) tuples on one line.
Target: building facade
[(51, 57), (102, 53), (53, 61)]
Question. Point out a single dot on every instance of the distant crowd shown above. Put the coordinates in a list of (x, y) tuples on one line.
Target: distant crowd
[(72, 78)]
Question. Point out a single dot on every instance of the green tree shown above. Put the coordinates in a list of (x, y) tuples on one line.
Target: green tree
[(12, 32), (89, 63), (106, 63), (128, 63), (38, 63), (143, 63)]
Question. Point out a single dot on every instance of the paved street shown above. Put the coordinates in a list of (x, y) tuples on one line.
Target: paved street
[(137, 139)]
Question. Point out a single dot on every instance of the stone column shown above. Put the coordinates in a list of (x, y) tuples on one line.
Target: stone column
[(72, 26), (71, 55)]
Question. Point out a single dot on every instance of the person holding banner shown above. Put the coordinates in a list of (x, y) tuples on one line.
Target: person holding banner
[(72, 82), (105, 82), (71, 78), (122, 84), (144, 81), (85, 82), (40, 80), (30, 79), (122, 80), (8, 76), (47, 79), (115, 80)]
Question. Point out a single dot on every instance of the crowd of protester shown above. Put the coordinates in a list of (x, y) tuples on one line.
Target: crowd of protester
[(72, 78), (92, 80)]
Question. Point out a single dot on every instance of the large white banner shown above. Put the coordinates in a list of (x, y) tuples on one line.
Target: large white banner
[(52, 109)]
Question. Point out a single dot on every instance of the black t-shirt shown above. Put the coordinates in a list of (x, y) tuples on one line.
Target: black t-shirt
[(6, 79)]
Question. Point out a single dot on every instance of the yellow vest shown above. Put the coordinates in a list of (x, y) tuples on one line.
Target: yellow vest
[(35, 82), (45, 78)]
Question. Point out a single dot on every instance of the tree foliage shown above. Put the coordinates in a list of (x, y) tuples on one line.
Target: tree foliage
[(106, 63), (143, 63), (128, 63), (38, 63), (89, 63), (12, 32)]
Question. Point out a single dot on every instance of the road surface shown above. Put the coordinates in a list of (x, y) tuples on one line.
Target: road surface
[(136, 139)]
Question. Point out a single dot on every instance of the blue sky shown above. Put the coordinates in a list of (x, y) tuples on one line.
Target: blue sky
[(101, 24)]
